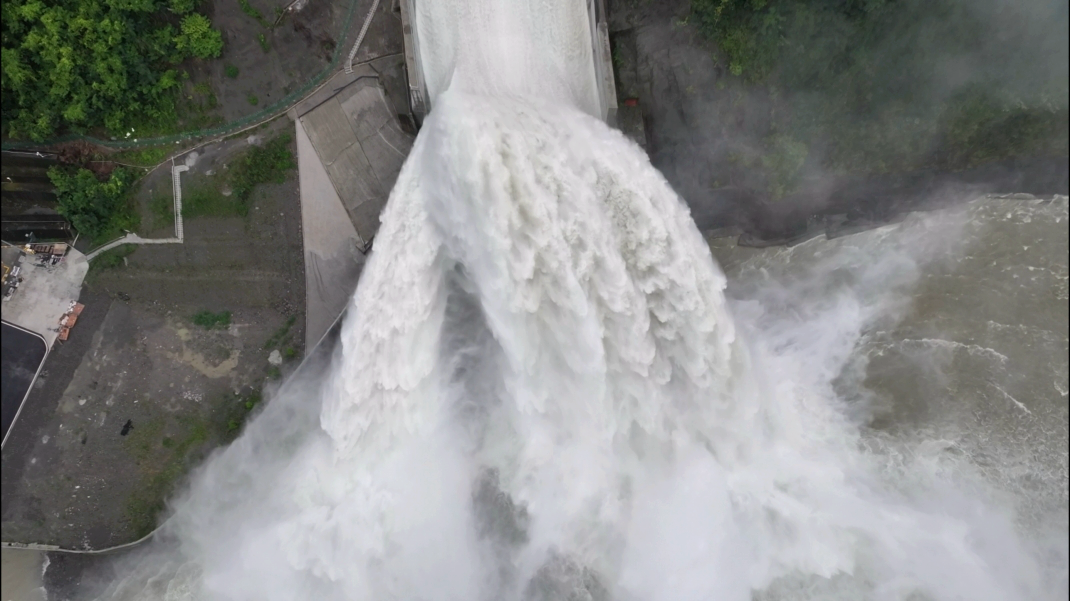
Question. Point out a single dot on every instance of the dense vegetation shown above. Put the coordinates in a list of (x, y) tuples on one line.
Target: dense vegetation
[(98, 209), (877, 86), (83, 65)]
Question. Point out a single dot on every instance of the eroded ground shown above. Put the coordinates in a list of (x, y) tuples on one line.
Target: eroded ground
[(168, 359)]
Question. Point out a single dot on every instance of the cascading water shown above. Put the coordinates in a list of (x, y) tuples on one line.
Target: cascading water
[(542, 393)]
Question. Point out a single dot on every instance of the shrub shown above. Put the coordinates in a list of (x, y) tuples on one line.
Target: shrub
[(257, 165), (280, 334), (181, 7), (262, 165), (252, 12), (747, 31), (212, 321), (198, 38), (98, 209)]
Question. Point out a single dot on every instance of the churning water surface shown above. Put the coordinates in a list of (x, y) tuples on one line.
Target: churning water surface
[(548, 389)]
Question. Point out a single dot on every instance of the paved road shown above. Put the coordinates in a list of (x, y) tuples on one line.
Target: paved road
[(22, 356)]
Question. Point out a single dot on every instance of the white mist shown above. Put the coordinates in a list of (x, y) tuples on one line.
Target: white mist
[(543, 393)]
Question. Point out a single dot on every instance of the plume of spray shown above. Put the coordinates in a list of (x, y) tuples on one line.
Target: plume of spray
[(541, 393)]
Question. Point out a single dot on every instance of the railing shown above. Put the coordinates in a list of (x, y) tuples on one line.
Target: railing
[(132, 238), (360, 36)]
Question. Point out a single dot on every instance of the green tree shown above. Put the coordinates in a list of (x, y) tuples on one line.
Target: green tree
[(97, 209), (181, 7), (749, 32), (79, 65), (198, 38)]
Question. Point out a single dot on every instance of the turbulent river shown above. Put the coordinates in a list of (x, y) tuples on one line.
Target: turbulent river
[(547, 388)]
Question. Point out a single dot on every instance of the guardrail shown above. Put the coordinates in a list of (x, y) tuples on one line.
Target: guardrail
[(132, 238), (360, 37)]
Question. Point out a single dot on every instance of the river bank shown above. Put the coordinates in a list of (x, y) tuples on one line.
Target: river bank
[(720, 139)]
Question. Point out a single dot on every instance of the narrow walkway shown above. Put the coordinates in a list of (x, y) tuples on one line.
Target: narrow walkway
[(132, 238), (360, 37)]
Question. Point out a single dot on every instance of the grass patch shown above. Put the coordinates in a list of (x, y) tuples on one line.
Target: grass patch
[(212, 321), (274, 373), (251, 11), (162, 207), (290, 353), (252, 99), (111, 259), (207, 201), (279, 336), (143, 157), (163, 461), (230, 71), (265, 164), (263, 41), (238, 413)]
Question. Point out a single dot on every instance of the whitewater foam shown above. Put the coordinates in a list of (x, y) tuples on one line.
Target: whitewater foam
[(542, 393)]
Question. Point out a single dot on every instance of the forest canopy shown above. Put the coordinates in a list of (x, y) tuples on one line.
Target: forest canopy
[(82, 65)]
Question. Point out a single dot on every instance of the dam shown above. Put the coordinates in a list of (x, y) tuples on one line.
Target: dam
[(546, 386), (572, 47)]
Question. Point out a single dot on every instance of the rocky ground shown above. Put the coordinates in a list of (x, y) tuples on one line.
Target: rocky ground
[(146, 386), (266, 58)]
